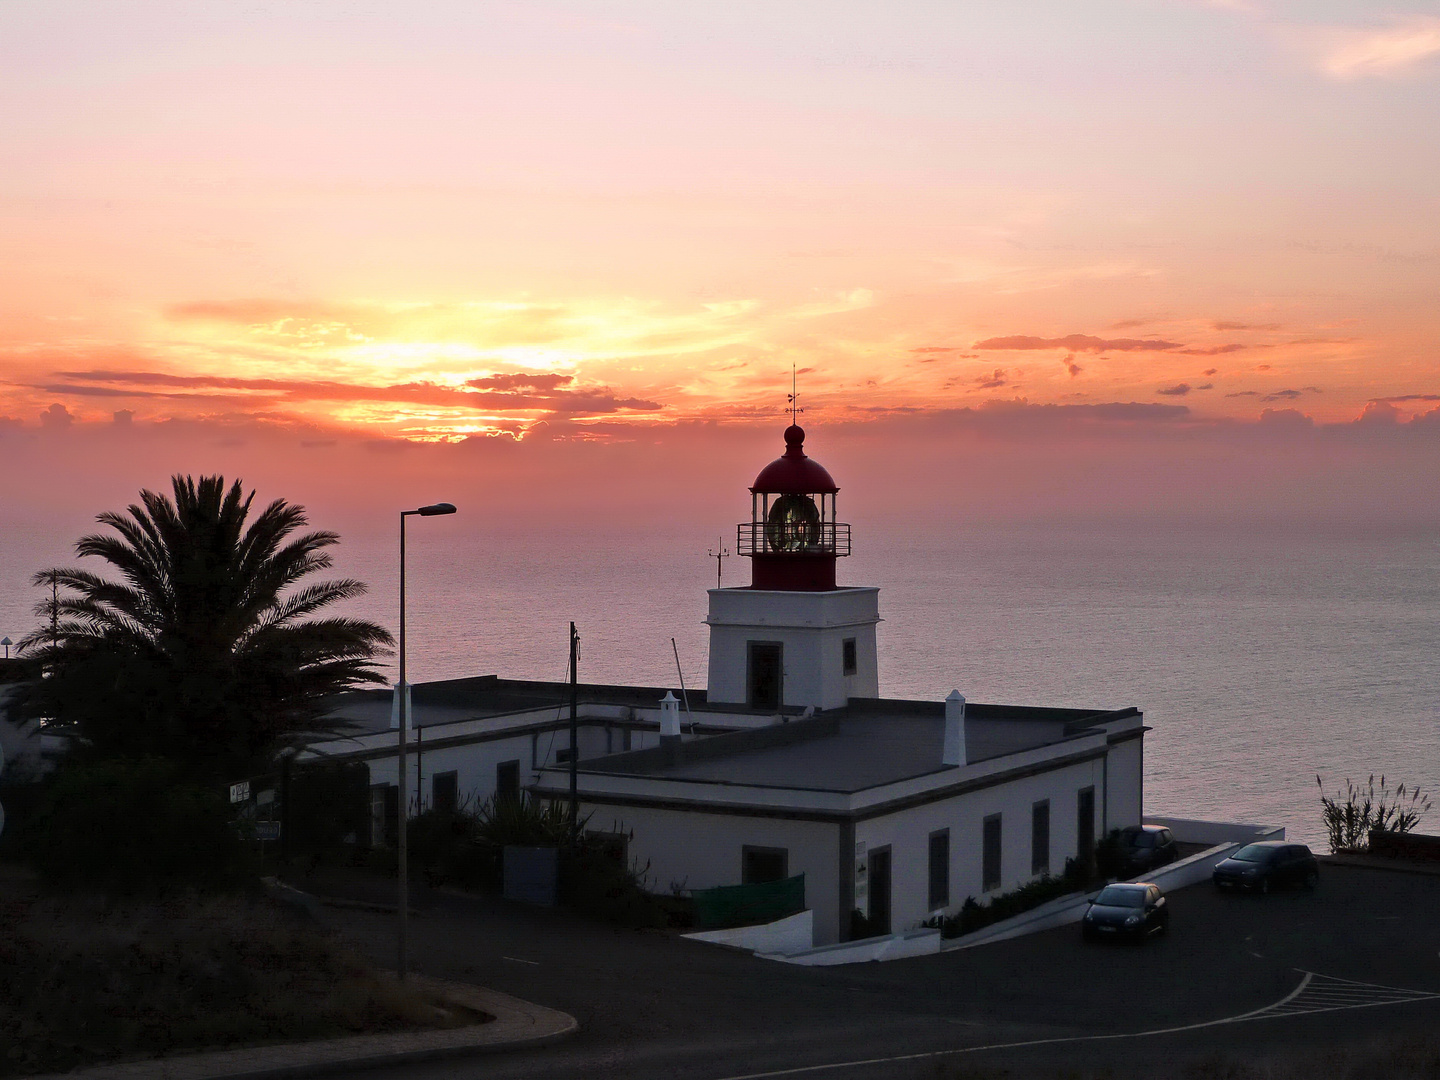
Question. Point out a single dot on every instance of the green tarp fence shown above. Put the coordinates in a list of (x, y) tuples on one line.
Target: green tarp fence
[(744, 905)]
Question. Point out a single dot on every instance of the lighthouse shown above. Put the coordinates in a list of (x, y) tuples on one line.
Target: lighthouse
[(793, 638)]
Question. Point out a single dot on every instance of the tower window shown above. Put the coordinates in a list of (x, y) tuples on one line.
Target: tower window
[(848, 664)]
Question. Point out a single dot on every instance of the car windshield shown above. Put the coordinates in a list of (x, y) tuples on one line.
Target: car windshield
[(1253, 853), (1118, 896), (1143, 839)]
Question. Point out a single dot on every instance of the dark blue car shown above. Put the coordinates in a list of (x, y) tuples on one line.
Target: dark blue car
[(1266, 865), (1126, 910)]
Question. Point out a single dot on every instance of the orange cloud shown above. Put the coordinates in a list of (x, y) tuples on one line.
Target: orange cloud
[(1076, 343)]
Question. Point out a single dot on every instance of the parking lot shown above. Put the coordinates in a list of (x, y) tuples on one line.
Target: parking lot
[(653, 1005)]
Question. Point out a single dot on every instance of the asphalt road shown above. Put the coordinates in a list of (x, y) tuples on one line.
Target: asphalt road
[(651, 1005)]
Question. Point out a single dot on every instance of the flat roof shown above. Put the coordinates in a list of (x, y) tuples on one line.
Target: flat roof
[(848, 751), (867, 743)]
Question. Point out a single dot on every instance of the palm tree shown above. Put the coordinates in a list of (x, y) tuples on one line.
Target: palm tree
[(205, 652)]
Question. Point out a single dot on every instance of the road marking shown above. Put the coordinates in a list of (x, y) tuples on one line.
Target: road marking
[(1315, 994), (517, 960)]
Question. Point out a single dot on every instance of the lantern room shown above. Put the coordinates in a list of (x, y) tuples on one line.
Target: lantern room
[(792, 537)]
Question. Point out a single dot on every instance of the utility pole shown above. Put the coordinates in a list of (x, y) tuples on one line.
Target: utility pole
[(574, 736)]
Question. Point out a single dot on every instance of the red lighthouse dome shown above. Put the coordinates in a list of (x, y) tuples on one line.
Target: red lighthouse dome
[(792, 537), (793, 473)]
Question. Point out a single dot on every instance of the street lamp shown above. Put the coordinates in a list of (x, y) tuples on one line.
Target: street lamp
[(433, 510)]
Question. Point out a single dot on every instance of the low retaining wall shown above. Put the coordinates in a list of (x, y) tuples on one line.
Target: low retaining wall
[(922, 942), (794, 933), (1192, 831), (1395, 845), (1223, 838)]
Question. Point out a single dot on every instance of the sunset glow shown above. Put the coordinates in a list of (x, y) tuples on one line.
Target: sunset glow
[(457, 221)]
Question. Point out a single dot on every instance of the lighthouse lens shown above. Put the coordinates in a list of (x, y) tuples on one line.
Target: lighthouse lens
[(793, 524)]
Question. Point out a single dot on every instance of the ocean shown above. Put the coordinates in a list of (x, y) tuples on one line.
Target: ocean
[(1260, 657)]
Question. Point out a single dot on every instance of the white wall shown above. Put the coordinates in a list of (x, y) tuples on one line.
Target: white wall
[(1126, 796), (474, 763), (812, 627), (701, 851), (907, 833)]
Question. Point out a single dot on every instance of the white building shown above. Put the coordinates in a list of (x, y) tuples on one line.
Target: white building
[(790, 762)]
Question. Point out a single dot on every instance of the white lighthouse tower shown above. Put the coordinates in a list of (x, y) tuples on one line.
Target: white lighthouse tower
[(793, 637)]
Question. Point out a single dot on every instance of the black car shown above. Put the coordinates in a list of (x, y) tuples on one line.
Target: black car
[(1266, 865), (1145, 847), (1126, 910)]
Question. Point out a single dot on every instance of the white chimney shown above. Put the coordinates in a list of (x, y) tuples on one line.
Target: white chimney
[(954, 729), (669, 717), (395, 709)]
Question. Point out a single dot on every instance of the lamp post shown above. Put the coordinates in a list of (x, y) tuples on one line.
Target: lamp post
[(433, 510)]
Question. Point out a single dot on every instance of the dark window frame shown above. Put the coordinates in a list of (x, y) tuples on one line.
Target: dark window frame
[(751, 851), (448, 783), (991, 871), (501, 768), (1085, 828), (939, 869), (1040, 837), (849, 656), (753, 698)]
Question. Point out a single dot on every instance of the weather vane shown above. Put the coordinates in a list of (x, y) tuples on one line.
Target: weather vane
[(793, 398), (719, 556)]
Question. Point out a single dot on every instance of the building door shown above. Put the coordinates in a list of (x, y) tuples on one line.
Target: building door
[(1085, 824), (879, 891), (765, 672)]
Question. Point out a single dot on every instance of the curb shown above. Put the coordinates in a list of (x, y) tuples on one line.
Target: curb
[(517, 1025)]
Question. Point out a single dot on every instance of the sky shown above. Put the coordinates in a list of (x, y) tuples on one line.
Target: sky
[(1043, 257)]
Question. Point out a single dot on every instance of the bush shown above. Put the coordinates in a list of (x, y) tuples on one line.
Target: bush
[(324, 805), (1350, 817), (134, 826), (974, 916), (596, 880)]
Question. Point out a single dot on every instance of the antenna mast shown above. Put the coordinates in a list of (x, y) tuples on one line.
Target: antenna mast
[(719, 556)]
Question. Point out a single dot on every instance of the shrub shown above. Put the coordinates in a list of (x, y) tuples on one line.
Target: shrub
[(1350, 816), (131, 826), (974, 916), (324, 804)]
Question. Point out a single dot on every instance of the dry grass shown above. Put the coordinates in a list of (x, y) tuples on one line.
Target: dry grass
[(86, 979)]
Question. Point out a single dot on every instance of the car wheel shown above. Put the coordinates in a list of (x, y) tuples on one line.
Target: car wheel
[(1312, 879)]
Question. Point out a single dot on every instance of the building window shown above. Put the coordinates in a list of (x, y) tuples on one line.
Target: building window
[(507, 780), (939, 869), (765, 671), (1040, 837), (990, 854), (848, 652), (759, 864), (444, 792), (384, 814), (563, 755), (1085, 824)]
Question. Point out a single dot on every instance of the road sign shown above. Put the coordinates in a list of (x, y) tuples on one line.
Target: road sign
[(240, 792), (267, 830)]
